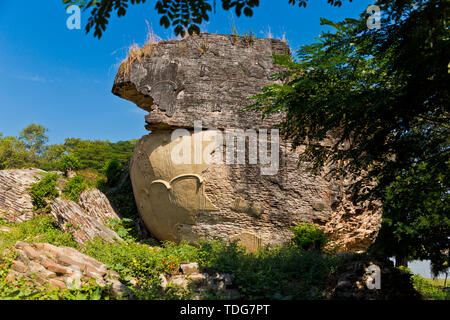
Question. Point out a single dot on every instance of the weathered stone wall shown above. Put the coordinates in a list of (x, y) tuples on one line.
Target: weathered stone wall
[(210, 78)]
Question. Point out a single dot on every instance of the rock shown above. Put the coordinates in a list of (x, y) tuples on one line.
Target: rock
[(73, 219), (97, 205), (15, 201), (178, 85), (61, 267)]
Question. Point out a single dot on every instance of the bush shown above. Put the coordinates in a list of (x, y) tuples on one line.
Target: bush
[(74, 187), (44, 191), (308, 237), (429, 289), (29, 289), (140, 265), (122, 198)]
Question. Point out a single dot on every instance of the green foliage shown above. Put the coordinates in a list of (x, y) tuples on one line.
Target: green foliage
[(69, 162), (272, 273), (415, 221), (44, 191), (382, 95), (122, 198), (185, 15), (308, 237), (40, 229), (74, 187), (29, 150), (125, 228), (429, 289), (13, 154), (139, 265)]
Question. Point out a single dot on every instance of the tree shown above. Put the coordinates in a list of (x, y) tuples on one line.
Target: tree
[(182, 15), (416, 223), (113, 171), (69, 163), (376, 101), (34, 137)]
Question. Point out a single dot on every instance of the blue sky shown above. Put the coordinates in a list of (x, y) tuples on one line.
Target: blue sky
[(62, 78)]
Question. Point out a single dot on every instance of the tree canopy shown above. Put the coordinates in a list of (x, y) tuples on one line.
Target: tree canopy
[(181, 15)]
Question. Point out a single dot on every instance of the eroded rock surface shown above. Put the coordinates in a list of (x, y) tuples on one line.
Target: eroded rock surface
[(61, 267), (15, 201), (209, 78)]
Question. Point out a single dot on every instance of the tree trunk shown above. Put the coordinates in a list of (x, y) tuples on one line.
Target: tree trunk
[(401, 260)]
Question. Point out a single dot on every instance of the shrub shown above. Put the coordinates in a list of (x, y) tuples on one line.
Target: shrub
[(308, 237), (122, 198), (74, 187), (44, 191)]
